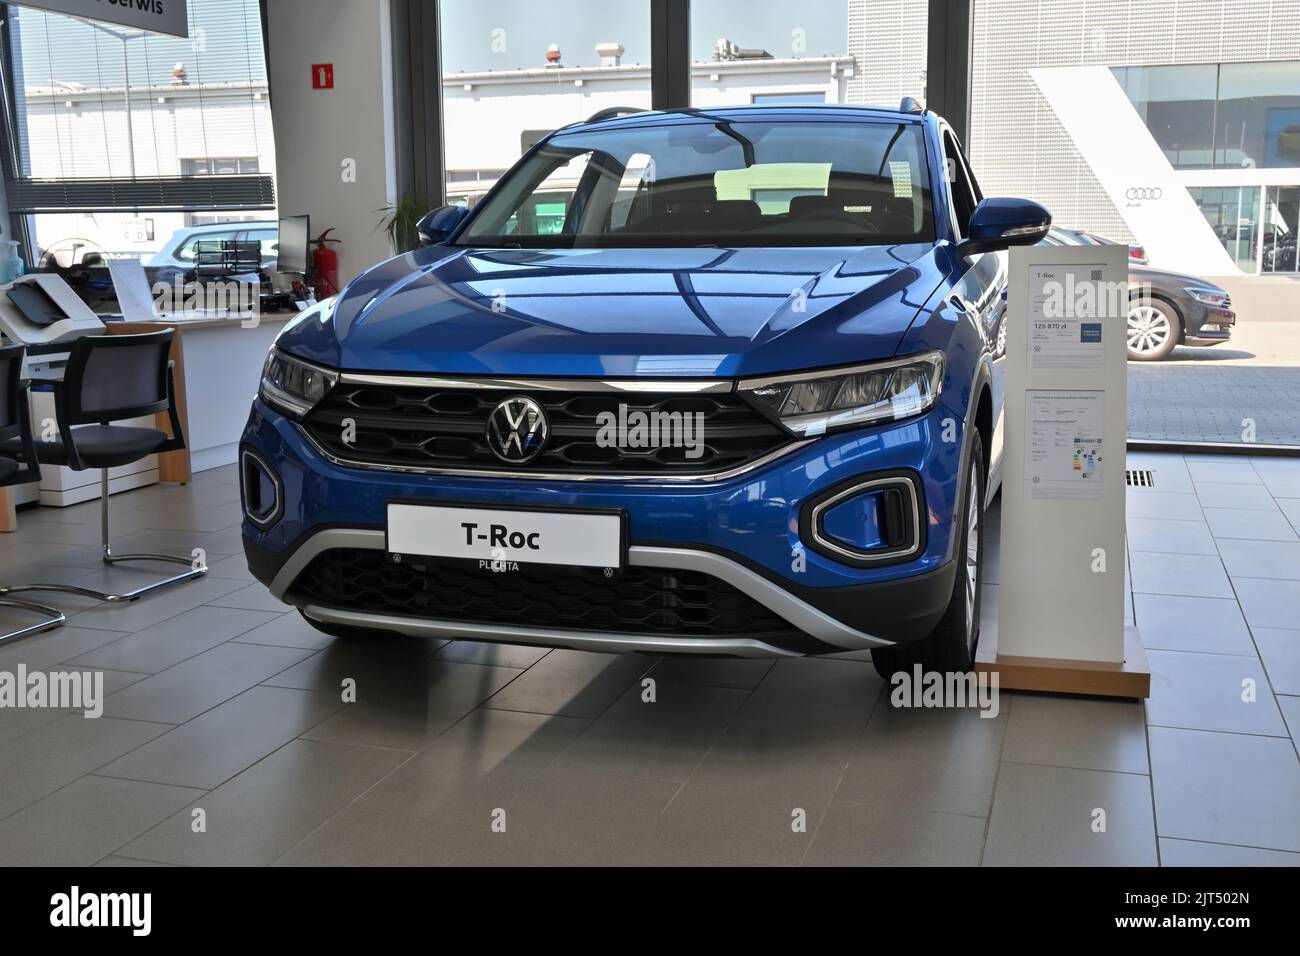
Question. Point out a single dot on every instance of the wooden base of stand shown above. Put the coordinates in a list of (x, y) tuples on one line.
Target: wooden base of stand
[(1098, 678)]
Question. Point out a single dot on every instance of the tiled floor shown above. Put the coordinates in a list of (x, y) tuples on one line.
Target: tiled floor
[(223, 701)]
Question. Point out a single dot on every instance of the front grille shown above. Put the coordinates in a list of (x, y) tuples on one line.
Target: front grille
[(639, 600), (417, 426)]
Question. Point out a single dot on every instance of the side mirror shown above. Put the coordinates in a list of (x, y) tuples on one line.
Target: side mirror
[(1001, 223), (437, 226)]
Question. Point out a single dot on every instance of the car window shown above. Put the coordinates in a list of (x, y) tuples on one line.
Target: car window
[(268, 239), (963, 195), (727, 182), (186, 252)]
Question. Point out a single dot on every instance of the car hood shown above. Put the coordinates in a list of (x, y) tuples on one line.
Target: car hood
[(1172, 282), (621, 312)]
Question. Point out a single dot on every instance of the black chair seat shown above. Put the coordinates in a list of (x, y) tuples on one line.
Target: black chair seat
[(8, 468), (100, 446)]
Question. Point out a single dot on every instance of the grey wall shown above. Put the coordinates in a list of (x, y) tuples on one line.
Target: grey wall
[(317, 130)]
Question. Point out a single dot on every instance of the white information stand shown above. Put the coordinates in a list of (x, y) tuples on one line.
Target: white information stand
[(1061, 595)]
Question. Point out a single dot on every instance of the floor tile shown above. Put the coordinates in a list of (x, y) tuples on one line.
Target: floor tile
[(362, 838), (1262, 559), (412, 709), (1205, 691), (804, 696), (253, 597), (1193, 853), (259, 815), (1174, 506), (231, 737), (1085, 733), (1279, 649), (1290, 707), (475, 766), (287, 630), (177, 639), (1192, 575), (193, 686), (53, 756), (1231, 495), (86, 820), (857, 834), (742, 804), (572, 683), (501, 655), (1048, 816), (1207, 625), (1229, 472), (155, 608), (1171, 537), (738, 673), (574, 818), (665, 738), (42, 651), (1251, 525), (1268, 603), (16, 721), (942, 760), (1226, 788)]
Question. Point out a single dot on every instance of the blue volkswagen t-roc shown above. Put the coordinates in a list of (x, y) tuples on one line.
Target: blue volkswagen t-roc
[(707, 381)]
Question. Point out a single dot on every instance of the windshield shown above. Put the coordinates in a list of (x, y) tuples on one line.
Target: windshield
[(724, 183)]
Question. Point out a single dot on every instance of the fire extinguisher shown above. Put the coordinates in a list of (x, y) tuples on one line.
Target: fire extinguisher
[(325, 266)]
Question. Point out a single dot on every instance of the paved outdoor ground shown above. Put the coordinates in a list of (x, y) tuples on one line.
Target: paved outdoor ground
[(1207, 394)]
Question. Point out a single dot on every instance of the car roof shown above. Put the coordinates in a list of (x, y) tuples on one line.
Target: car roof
[(842, 112)]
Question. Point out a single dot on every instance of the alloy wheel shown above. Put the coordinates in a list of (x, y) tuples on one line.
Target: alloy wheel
[(1148, 330)]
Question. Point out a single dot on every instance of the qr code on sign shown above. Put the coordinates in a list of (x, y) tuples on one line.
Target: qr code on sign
[(1096, 275)]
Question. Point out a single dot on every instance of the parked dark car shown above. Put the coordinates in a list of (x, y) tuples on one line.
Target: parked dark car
[(1166, 309)]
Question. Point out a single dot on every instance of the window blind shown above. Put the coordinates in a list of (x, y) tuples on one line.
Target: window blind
[(102, 117)]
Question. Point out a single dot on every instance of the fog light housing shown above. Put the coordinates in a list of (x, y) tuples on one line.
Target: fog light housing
[(260, 489), (867, 521)]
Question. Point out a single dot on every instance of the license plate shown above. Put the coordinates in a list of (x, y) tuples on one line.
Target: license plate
[(507, 535)]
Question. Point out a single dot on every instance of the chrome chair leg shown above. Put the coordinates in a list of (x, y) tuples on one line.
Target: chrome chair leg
[(109, 558), (53, 618)]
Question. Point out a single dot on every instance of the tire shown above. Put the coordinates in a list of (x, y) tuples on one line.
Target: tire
[(951, 646), (1154, 329)]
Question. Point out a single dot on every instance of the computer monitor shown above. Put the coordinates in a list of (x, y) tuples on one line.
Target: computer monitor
[(294, 252)]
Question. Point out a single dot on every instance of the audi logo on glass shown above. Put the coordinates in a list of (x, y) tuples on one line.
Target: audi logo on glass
[(1144, 192)]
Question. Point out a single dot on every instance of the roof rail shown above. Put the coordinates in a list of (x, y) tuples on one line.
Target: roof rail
[(610, 112), (911, 104)]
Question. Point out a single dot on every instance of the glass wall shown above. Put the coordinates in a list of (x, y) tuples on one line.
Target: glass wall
[(1176, 130), (1281, 225), (1177, 105), (1229, 115), (1233, 213), (120, 137), (513, 71)]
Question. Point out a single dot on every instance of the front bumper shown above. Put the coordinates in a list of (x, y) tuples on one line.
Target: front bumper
[(744, 531), (1207, 325)]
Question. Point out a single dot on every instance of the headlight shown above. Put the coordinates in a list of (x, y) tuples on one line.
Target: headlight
[(292, 385), (1213, 297), (814, 403)]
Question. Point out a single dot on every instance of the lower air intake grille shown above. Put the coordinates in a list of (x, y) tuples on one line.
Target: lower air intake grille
[(640, 600)]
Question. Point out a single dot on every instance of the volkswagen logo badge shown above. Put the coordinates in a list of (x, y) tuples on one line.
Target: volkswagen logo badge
[(517, 430)]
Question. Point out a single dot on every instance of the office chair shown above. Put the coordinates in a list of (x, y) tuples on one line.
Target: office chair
[(112, 378), (16, 424)]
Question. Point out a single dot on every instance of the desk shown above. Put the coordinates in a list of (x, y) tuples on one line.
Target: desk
[(218, 365)]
